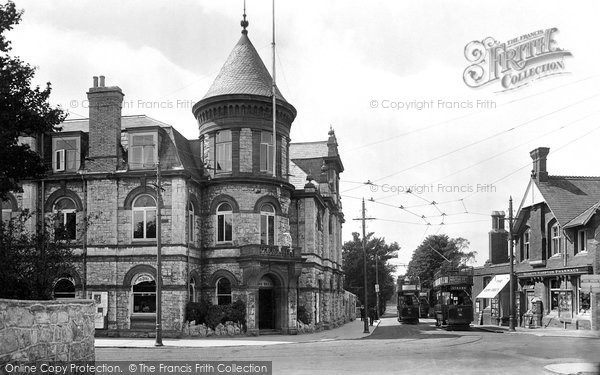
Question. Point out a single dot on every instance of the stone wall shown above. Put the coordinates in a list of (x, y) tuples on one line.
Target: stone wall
[(46, 330)]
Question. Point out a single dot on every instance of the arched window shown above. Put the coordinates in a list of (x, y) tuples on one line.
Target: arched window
[(65, 221), (267, 224), (64, 288), (555, 236), (144, 295), (191, 223), (224, 222), (223, 291), (192, 290), (144, 217)]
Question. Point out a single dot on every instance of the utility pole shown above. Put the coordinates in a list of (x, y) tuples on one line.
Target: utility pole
[(364, 249), (511, 318), (158, 262), (377, 283)]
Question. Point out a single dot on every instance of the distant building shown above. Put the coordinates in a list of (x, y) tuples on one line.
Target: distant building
[(230, 229), (556, 233)]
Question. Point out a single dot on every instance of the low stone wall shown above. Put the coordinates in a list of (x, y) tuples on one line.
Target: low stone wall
[(61, 330), (201, 330)]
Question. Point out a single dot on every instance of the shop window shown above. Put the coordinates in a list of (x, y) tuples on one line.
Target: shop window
[(65, 220), (584, 302), (144, 295), (266, 151), (66, 154), (224, 223), (223, 151), (144, 217), (143, 153), (223, 291), (267, 225), (64, 288)]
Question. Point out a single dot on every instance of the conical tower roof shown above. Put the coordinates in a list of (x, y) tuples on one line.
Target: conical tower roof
[(243, 73)]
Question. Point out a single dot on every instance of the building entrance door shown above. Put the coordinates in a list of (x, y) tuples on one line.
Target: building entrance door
[(266, 304)]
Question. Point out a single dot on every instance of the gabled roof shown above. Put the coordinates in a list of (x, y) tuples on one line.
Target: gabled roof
[(309, 150), (127, 122), (243, 73), (569, 196), (584, 217)]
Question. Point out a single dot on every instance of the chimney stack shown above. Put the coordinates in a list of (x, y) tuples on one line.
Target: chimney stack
[(105, 126), (498, 239), (538, 156)]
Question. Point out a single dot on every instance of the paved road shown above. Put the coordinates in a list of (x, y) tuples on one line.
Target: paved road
[(395, 349)]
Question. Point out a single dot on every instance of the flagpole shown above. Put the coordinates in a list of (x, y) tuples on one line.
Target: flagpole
[(274, 90)]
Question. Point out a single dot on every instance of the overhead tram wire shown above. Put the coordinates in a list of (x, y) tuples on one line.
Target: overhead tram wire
[(480, 140), (468, 115)]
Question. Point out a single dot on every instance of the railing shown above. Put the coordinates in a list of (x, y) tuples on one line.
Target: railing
[(270, 251)]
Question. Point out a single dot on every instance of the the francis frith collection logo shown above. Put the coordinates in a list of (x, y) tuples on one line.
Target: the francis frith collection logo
[(514, 63)]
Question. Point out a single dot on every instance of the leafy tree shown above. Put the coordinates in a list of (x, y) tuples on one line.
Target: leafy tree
[(24, 111), (438, 252), (353, 264), (31, 263)]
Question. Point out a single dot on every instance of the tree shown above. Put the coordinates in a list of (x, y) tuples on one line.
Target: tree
[(438, 252), (24, 111), (31, 263), (353, 264)]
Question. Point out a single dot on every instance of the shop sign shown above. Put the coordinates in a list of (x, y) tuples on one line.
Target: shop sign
[(559, 271)]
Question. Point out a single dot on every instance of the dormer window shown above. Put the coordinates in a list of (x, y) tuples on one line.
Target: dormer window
[(556, 247), (66, 154), (143, 152)]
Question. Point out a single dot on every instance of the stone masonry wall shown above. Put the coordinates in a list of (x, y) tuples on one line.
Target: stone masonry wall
[(46, 330)]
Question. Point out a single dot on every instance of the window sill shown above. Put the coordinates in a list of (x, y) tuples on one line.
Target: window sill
[(144, 241), (582, 253), (556, 256)]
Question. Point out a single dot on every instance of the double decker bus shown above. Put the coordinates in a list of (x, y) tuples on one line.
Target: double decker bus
[(408, 299), (454, 307)]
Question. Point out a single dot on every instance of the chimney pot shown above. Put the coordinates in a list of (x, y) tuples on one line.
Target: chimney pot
[(101, 81), (95, 81)]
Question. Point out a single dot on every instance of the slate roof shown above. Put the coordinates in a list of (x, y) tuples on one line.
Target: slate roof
[(584, 217), (309, 150), (177, 151), (243, 73), (569, 196)]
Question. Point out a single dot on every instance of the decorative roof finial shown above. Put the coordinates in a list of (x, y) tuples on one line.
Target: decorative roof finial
[(244, 22)]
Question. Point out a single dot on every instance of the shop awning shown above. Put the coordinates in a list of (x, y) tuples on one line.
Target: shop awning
[(494, 287)]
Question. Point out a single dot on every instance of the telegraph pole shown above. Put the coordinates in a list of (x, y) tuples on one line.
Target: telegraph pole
[(364, 249), (158, 262), (511, 318), (377, 283)]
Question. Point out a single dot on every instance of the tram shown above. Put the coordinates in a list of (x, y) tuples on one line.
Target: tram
[(454, 307), (408, 299)]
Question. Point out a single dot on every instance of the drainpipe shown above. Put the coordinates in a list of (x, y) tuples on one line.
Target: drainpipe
[(85, 229)]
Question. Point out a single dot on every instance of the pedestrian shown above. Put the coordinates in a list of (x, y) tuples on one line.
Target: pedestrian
[(362, 313), (371, 315)]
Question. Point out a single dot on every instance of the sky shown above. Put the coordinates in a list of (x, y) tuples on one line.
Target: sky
[(430, 154)]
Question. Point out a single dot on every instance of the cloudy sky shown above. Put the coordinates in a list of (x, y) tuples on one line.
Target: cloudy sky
[(346, 64)]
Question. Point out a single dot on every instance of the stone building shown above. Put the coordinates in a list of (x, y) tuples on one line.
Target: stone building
[(232, 227), (556, 233)]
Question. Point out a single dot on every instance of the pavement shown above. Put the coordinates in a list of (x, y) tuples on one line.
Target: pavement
[(558, 332), (349, 331)]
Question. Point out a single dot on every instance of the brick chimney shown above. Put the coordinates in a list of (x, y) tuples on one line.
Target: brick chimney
[(498, 239), (105, 126), (538, 156)]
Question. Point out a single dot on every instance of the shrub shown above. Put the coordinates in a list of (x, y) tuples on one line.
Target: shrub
[(303, 315), (216, 314), (237, 312), (197, 311)]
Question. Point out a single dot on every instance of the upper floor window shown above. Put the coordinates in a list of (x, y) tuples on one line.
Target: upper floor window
[(66, 154), (224, 223), (581, 244), (526, 239), (267, 225), (191, 223), (144, 217), (266, 151), (223, 151), (556, 247), (65, 222), (223, 291), (143, 152)]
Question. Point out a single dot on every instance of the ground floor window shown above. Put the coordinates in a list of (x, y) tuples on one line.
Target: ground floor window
[(223, 291), (144, 295), (64, 288), (584, 299)]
